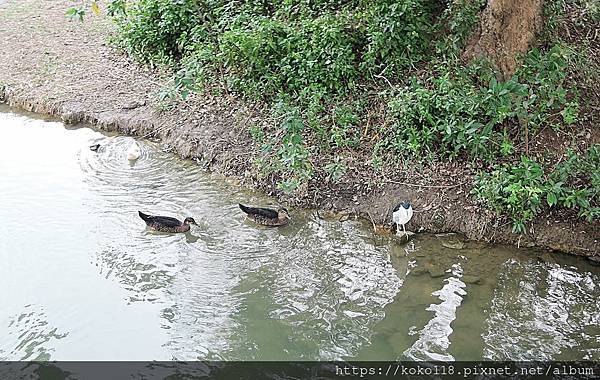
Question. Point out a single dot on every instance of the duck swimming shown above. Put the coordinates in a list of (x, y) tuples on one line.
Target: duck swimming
[(166, 223), (95, 147), (134, 152), (267, 216), (402, 214)]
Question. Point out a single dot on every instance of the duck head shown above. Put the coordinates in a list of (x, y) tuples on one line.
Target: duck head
[(283, 213), (189, 220)]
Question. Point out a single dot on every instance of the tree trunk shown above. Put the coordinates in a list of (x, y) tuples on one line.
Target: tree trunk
[(506, 30)]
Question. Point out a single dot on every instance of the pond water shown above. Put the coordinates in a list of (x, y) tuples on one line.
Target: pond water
[(82, 278)]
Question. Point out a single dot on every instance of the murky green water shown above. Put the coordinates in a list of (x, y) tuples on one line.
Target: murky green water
[(81, 277)]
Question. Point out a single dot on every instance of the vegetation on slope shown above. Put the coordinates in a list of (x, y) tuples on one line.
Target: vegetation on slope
[(382, 78)]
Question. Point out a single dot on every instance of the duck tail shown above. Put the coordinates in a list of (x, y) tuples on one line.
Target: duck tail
[(245, 209), (145, 217)]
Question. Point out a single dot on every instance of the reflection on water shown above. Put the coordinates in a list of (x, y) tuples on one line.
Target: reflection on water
[(28, 336), (434, 338), (84, 279), (480, 303), (551, 311)]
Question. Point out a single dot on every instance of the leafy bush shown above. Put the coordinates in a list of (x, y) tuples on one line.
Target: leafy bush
[(293, 157), (465, 110), (457, 22), (575, 183), (288, 154), (336, 170), (270, 47), (270, 56), (520, 190), (444, 115), (329, 61), (544, 75), (156, 31), (513, 190), (397, 33)]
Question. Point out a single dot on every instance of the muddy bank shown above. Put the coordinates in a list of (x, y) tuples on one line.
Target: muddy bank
[(52, 66)]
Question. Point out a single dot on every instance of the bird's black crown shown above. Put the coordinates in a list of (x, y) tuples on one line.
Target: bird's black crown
[(404, 204)]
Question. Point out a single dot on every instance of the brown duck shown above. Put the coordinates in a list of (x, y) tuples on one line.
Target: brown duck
[(267, 216), (166, 223)]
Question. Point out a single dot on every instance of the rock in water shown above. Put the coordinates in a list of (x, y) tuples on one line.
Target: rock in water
[(472, 280), (453, 244)]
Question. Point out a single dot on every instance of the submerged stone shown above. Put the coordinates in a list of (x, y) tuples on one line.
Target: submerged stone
[(453, 244), (472, 280), (404, 238), (547, 258), (594, 260), (436, 272), (417, 271)]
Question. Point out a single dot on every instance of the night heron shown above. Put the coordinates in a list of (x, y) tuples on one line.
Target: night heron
[(402, 214)]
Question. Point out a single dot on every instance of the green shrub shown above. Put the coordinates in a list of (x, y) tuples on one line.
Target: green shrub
[(331, 61), (336, 170), (513, 190), (575, 183), (465, 110), (286, 155), (397, 33), (544, 75), (443, 115), (457, 22), (519, 191), (270, 56), (156, 31), (268, 47)]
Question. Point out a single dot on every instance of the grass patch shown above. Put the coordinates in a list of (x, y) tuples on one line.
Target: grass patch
[(523, 189), (384, 77)]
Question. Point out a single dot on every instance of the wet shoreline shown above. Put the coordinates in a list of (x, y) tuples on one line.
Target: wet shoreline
[(76, 251), (80, 79)]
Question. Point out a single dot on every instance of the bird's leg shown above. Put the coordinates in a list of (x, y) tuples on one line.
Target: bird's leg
[(404, 229)]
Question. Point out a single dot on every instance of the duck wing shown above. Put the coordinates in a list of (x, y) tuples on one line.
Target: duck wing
[(264, 212), (165, 221)]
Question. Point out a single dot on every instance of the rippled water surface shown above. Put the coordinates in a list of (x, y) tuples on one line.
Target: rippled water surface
[(82, 278)]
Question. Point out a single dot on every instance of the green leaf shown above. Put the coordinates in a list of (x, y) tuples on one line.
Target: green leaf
[(518, 227), (551, 199), (75, 13)]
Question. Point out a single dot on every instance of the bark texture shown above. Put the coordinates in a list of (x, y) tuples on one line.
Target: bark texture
[(507, 29)]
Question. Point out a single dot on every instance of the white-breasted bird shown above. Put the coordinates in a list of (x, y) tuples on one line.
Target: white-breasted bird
[(402, 214), (134, 152)]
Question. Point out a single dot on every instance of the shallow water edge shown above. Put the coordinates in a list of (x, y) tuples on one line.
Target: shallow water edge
[(79, 266), (213, 154)]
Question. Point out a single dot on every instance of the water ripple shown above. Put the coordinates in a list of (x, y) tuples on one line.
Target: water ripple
[(31, 336), (75, 249), (541, 311)]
